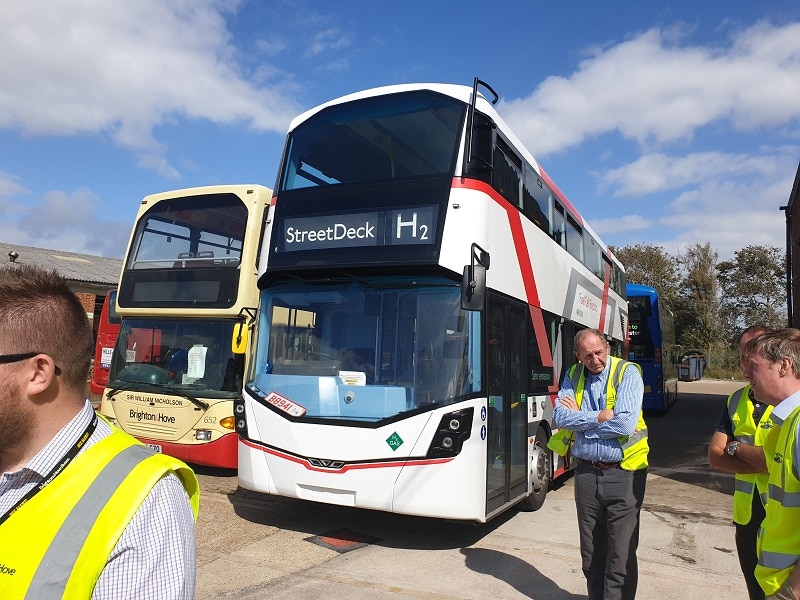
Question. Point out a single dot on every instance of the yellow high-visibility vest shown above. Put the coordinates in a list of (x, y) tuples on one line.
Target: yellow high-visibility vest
[(779, 537), (746, 430), (57, 544), (635, 447)]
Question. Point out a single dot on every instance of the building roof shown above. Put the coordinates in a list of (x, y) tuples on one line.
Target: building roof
[(85, 269)]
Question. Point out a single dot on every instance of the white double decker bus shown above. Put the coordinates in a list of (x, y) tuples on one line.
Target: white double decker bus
[(421, 282)]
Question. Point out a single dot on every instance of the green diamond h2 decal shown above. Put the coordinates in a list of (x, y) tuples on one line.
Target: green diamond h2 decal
[(394, 441)]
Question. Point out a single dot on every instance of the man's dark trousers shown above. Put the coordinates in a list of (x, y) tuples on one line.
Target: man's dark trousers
[(609, 503), (746, 536)]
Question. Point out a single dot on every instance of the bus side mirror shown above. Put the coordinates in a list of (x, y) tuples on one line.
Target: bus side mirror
[(239, 339), (473, 287), (473, 281)]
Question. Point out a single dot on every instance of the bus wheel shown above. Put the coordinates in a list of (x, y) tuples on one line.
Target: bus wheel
[(541, 473)]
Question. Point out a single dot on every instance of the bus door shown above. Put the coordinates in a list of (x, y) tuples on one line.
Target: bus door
[(507, 414)]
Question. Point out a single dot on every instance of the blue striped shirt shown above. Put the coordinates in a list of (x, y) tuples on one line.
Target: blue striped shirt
[(593, 440), (155, 556)]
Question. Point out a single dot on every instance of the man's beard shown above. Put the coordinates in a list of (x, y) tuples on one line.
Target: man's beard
[(16, 419)]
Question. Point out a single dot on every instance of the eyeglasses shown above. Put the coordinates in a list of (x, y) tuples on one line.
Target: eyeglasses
[(12, 358)]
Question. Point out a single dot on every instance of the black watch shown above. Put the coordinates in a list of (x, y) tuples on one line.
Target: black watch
[(732, 447)]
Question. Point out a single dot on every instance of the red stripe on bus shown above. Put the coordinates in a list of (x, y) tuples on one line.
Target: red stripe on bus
[(524, 259), (409, 462), (541, 334), (604, 303), (560, 195)]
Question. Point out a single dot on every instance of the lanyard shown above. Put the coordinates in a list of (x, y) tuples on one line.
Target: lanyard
[(55, 471)]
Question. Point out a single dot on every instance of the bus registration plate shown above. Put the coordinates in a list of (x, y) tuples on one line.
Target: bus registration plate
[(284, 404)]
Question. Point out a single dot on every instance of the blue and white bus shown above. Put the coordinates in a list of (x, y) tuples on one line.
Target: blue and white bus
[(652, 346), (421, 280)]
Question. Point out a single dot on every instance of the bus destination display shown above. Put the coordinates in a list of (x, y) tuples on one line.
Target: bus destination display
[(380, 228)]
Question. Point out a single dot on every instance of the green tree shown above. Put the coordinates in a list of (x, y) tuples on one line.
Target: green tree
[(697, 320), (651, 265), (753, 289)]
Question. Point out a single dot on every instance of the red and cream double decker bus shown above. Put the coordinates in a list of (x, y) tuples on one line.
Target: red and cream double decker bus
[(186, 293), (421, 282)]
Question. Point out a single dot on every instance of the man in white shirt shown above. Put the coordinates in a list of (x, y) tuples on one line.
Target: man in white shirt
[(86, 511)]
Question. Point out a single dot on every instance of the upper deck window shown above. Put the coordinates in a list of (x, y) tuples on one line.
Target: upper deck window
[(399, 136), (186, 252), (574, 238), (189, 232)]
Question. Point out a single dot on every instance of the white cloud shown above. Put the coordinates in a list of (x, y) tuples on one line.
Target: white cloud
[(684, 107), (729, 213), (606, 227), (652, 90), (273, 45), (326, 41), (658, 172), (9, 186), (66, 221), (122, 68), (729, 231)]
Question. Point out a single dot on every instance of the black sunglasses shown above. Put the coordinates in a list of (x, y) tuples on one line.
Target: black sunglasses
[(12, 358)]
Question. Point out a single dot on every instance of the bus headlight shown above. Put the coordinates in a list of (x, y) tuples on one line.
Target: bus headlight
[(203, 435), (241, 419), (453, 430)]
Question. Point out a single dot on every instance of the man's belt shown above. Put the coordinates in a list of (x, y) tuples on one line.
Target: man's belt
[(600, 465)]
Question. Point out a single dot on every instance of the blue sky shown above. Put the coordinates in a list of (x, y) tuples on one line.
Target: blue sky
[(668, 123)]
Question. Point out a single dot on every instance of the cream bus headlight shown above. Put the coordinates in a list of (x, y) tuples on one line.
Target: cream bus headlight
[(203, 435)]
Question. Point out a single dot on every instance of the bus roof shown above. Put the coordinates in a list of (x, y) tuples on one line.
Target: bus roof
[(464, 94), (205, 190), (638, 289)]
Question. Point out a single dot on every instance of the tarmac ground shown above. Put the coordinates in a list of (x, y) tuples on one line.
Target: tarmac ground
[(257, 546)]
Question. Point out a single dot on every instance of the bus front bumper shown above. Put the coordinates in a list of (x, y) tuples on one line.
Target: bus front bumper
[(220, 453)]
